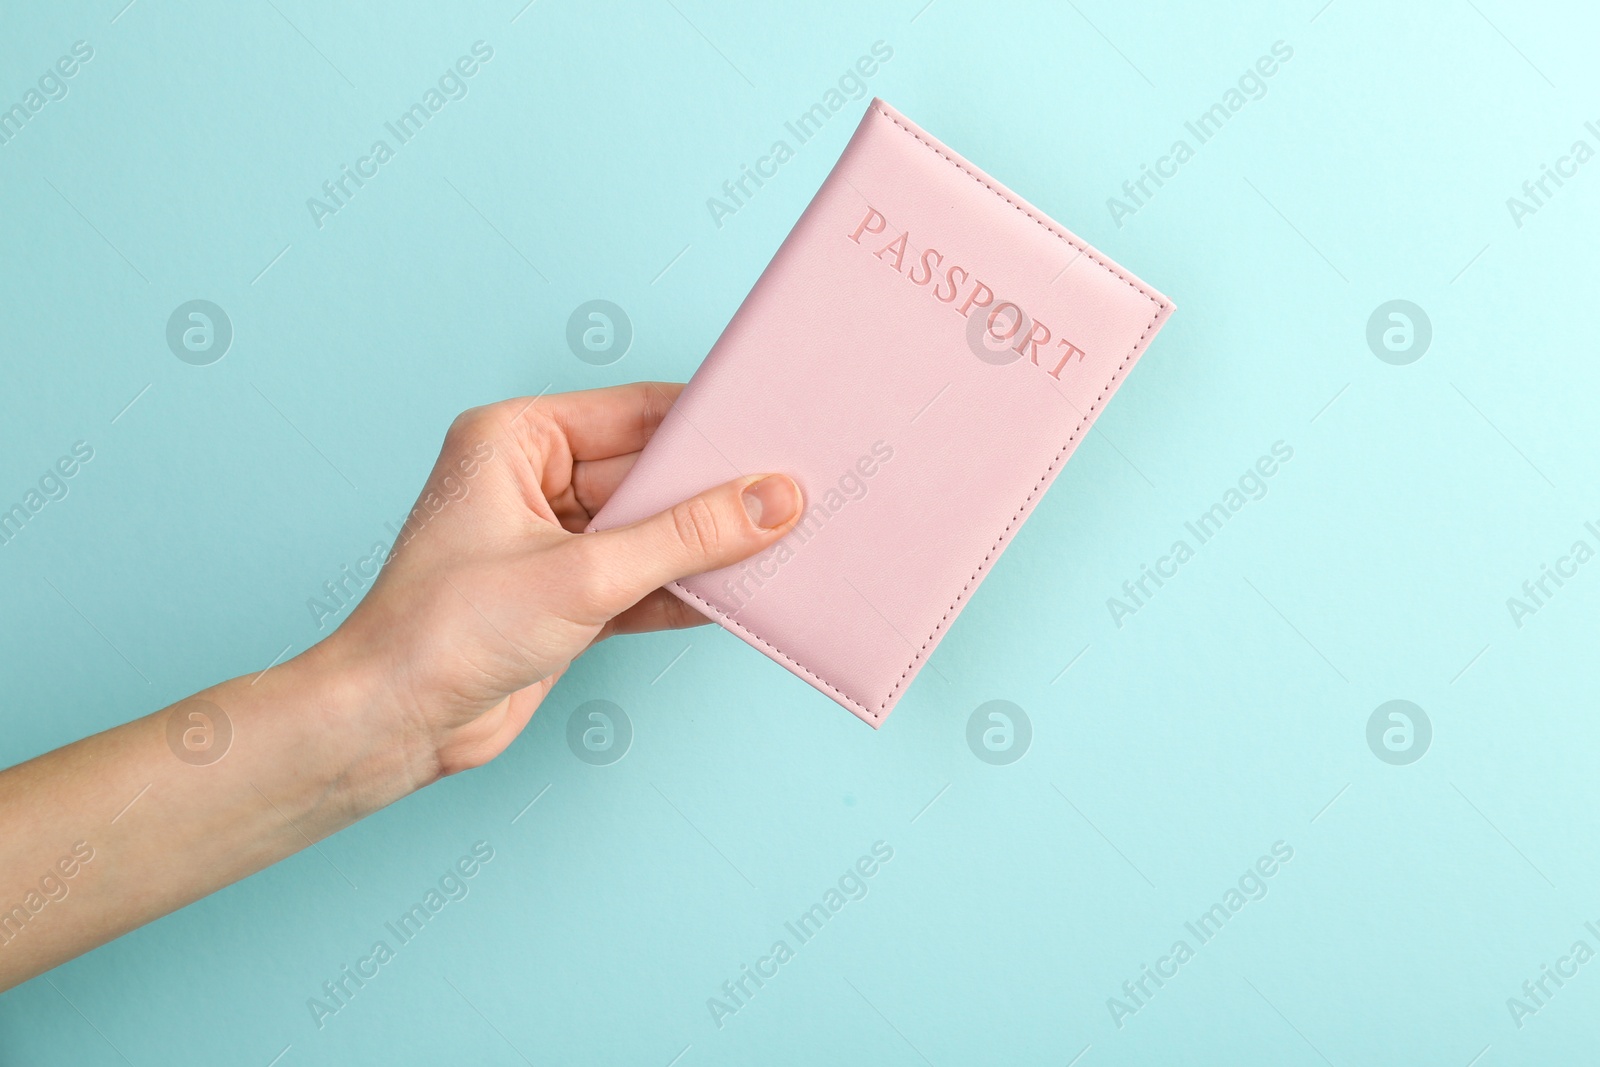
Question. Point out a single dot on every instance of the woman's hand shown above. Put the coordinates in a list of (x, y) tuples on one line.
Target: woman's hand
[(493, 589)]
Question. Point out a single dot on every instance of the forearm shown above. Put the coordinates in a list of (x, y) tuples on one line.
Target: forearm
[(106, 834)]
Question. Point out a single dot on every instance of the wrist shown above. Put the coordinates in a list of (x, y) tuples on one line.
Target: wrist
[(365, 748)]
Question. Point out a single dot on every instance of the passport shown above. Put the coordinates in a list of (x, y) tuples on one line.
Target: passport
[(923, 354)]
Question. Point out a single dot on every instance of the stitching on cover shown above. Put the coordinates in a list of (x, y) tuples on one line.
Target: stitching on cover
[(1112, 268), (728, 620), (1022, 509)]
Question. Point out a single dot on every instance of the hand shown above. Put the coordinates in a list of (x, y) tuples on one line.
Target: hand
[(493, 589)]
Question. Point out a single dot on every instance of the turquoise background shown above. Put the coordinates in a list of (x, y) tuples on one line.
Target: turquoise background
[(1228, 714)]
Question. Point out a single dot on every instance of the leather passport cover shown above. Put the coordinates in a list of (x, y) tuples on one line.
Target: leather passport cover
[(922, 356)]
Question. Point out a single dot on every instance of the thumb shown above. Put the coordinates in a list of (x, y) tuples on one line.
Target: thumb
[(715, 529)]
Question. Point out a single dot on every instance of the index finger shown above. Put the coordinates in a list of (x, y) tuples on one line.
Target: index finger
[(601, 423)]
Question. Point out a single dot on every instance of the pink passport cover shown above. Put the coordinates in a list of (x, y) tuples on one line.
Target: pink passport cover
[(922, 355)]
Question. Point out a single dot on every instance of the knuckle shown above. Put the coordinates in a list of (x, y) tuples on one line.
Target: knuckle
[(475, 436), (656, 404), (468, 428), (695, 522), (593, 581), (465, 420)]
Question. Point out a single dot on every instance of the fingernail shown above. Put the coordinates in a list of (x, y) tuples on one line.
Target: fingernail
[(772, 501)]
